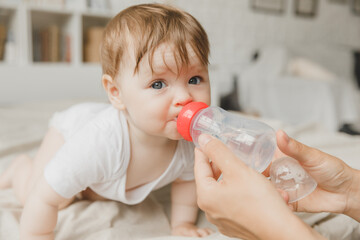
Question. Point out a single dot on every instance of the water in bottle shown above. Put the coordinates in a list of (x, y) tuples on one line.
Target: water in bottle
[(252, 141)]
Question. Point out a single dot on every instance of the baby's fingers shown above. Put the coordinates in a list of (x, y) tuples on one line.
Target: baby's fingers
[(203, 232)]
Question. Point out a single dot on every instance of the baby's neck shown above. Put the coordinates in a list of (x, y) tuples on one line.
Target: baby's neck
[(150, 157), (138, 137)]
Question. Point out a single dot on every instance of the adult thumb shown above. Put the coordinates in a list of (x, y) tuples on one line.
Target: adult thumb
[(306, 155)]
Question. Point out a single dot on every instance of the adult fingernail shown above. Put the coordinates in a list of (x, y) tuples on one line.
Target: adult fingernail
[(204, 139)]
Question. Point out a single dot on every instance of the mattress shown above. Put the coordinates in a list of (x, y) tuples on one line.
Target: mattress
[(23, 126)]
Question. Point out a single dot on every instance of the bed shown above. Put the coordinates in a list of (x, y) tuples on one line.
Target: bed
[(296, 90), (22, 127)]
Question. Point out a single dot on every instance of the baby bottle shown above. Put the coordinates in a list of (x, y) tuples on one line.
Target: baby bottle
[(252, 141)]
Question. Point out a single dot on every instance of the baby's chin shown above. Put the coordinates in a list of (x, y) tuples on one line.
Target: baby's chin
[(175, 136)]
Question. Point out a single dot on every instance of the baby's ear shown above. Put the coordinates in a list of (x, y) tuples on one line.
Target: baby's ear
[(112, 91)]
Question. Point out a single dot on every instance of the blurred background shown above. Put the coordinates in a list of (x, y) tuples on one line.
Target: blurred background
[(293, 60)]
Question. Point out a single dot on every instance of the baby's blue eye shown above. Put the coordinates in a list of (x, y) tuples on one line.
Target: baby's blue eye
[(195, 80), (158, 85)]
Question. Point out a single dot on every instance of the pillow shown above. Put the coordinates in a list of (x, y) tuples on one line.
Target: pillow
[(272, 61), (308, 69)]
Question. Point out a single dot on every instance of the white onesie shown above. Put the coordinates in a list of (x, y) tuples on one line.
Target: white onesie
[(96, 154)]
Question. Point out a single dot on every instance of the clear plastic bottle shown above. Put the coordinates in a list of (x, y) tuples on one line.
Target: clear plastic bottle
[(252, 141)]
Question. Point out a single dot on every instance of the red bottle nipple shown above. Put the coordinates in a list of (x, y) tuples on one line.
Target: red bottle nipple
[(185, 117)]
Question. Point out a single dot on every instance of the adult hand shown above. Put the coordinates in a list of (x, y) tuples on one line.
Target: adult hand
[(338, 189), (243, 203)]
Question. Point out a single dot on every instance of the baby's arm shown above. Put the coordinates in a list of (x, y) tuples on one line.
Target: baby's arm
[(40, 212), (184, 210)]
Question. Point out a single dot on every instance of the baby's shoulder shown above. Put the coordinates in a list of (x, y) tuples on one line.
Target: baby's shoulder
[(76, 117), (87, 108)]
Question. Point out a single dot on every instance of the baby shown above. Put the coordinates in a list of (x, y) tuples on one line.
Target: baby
[(154, 60)]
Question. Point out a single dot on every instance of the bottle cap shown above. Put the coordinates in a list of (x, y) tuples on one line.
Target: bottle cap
[(185, 117)]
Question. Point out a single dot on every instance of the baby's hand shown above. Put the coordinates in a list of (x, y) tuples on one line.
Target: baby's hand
[(190, 230)]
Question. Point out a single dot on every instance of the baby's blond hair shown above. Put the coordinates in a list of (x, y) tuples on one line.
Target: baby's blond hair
[(150, 25)]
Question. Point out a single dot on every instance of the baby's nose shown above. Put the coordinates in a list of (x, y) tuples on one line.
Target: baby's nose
[(183, 97)]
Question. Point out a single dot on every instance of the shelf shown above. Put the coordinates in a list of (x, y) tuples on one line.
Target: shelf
[(49, 9), (65, 31), (92, 30), (98, 13), (52, 33), (7, 33), (45, 48), (8, 5), (50, 36)]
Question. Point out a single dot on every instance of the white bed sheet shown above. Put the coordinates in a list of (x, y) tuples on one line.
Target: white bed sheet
[(23, 126)]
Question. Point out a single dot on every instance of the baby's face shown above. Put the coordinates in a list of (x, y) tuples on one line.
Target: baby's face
[(153, 99)]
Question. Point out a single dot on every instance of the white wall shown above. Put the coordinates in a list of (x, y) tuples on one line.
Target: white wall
[(235, 30), (49, 83)]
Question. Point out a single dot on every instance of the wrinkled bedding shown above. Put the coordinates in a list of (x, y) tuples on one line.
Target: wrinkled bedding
[(23, 126)]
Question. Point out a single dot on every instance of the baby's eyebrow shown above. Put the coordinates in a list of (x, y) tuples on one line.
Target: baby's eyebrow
[(196, 68), (161, 69)]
